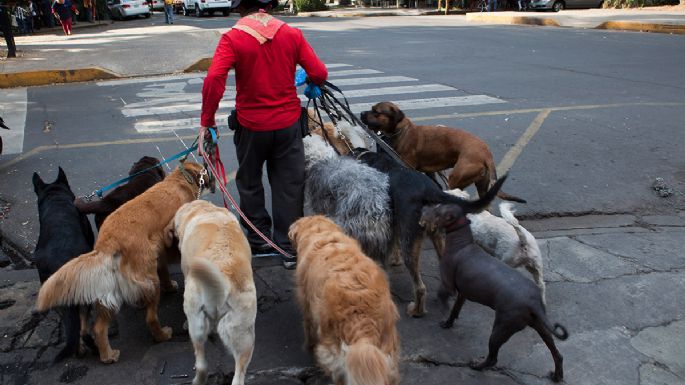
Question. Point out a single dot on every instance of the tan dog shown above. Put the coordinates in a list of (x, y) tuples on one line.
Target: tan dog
[(436, 148), (219, 290), (327, 131), (122, 268), (349, 316)]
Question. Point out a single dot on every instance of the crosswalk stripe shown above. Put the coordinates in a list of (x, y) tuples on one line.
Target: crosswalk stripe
[(373, 80), (419, 104), (13, 103), (363, 71), (194, 103), (397, 90), (173, 124)]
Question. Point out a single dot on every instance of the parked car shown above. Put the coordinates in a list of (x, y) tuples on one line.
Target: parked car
[(558, 5), (124, 9), (156, 5), (201, 7)]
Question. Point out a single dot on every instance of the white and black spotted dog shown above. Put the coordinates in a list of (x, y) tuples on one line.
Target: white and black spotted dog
[(353, 194), (504, 238)]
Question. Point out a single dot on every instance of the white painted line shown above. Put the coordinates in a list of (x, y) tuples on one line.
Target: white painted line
[(337, 65), (378, 79), (175, 124), (420, 104), (173, 109), (152, 79), (13, 102), (397, 90), (353, 72)]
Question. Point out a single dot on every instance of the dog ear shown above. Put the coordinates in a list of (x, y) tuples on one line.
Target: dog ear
[(38, 184), (62, 177), (397, 115)]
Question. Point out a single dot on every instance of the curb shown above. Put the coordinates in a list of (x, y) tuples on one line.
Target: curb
[(503, 19), (41, 78), (643, 27), (200, 65)]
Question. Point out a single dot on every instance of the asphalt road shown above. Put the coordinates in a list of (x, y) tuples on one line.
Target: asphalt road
[(585, 120)]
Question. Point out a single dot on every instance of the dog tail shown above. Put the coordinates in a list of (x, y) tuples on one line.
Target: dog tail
[(558, 330), (211, 283), (91, 277), (505, 210), (365, 364), (501, 194), (72, 327)]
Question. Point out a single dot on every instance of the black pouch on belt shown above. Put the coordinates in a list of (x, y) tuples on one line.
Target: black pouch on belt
[(233, 121), (304, 121)]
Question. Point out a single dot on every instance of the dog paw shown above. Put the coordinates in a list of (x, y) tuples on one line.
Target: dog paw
[(413, 311), (164, 335), (111, 358), (555, 377), (172, 287)]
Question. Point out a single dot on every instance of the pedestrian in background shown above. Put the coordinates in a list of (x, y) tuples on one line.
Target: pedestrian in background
[(264, 52), (88, 7), (6, 28), (492, 5), (63, 11), (21, 15), (169, 11)]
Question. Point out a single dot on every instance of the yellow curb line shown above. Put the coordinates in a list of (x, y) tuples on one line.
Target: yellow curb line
[(643, 27), (45, 77), (200, 65), (501, 19)]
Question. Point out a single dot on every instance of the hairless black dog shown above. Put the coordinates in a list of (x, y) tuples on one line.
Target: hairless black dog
[(471, 273)]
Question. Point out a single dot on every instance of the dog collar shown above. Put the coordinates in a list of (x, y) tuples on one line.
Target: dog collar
[(461, 222)]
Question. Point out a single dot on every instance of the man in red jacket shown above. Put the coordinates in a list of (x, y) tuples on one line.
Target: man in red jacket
[(264, 52)]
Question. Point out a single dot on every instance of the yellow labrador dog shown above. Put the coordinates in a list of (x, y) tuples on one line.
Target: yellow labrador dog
[(219, 290)]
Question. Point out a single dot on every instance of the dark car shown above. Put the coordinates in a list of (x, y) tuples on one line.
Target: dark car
[(558, 5)]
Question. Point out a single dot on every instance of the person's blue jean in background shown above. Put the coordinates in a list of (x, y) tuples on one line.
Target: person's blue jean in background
[(169, 13), (492, 5)]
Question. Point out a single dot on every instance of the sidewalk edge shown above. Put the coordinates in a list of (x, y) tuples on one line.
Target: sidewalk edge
[(45, 77), (643, 27)]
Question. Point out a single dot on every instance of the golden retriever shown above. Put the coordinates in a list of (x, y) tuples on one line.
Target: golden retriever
[(219, 290), (349, 316), (122, 268)]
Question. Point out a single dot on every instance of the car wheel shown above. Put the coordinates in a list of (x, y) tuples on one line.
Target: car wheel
[(601, 4), (226, 12), (147, 15), (198, 11), (558, 6)]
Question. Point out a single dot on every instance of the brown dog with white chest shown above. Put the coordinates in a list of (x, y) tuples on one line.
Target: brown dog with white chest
[(122, 268), (436, 148)]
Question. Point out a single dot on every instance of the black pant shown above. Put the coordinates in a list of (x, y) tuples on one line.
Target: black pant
[(6, 28), (283, 152)]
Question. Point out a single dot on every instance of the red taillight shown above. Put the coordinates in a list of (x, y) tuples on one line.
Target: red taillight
[(203, 1), (126, 6)]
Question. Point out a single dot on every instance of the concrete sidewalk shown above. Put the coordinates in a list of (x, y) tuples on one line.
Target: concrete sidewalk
[(108, 51), (614, 281)]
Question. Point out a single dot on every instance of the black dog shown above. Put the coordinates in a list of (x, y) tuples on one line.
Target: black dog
[(124, 193), (471, 273), (65, 233), (409, 191), (2, 125)]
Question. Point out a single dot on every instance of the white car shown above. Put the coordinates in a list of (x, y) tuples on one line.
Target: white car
[(123, 9), (201, 7), (157, 5)]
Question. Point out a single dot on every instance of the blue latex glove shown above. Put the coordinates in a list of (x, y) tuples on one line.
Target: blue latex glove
[(312, 91), (300, 77)]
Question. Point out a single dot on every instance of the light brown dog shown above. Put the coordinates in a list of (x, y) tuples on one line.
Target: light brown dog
[(436, 148), (219, 290), (349, 316), (122, 268), (327, 131)]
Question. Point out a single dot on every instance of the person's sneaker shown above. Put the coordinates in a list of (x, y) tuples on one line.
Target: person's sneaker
[(263, 251), (290, 262)]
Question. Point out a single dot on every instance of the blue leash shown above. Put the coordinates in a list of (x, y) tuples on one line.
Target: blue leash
[(124, 180)]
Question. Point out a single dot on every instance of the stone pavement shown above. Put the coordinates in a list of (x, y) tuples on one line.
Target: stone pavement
[(111, 51), (615, 282)]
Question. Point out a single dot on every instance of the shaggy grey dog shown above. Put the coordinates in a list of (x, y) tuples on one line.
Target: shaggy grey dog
[(353, 194)]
